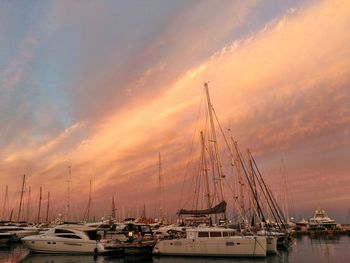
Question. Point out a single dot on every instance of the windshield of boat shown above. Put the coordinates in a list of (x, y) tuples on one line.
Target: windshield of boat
[(93, 235), (69, 236)]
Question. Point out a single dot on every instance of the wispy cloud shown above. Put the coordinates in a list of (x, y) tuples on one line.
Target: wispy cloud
[(282, 91)]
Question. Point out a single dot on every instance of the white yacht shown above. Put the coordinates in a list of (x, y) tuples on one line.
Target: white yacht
[(65, 239), (321, 221), (213, 241)]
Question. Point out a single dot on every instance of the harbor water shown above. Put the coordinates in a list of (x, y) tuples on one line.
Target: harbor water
[(321, 249)]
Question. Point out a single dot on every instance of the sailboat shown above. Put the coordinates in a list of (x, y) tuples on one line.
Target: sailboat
[(212, 240)]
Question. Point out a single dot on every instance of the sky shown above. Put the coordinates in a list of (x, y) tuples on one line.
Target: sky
[(104, 86)]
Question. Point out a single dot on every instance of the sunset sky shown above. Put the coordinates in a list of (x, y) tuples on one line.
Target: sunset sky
[(104, 86)]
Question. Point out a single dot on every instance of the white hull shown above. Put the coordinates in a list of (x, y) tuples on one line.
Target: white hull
[(62, 245), (218, 247), (271, 245)]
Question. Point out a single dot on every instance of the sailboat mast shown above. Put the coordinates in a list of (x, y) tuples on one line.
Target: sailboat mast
[(89, 205), (160, 182), (286, 212), (48, 207), (68, 195), (5, 201), (113, 208), (40, 197), (253, 200), (240, 178), (213, 134), (204, 161), (28, 204), (20, 202)]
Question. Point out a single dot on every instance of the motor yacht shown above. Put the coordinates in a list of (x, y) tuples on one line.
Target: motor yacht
[(65, 239), (321, 221)]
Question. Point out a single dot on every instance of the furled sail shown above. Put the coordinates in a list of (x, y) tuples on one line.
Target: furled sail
[(219, 208)]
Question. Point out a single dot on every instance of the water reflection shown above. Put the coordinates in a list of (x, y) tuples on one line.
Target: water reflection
[(207, 260), (323, 249), (39, 258), (65, 258), (12, 253)]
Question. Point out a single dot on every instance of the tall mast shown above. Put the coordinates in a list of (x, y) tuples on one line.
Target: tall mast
[(113, 208), (240, 178), (213, 134), (40, 197), (253, 200), (161, 186), (5, 201), (286, 212), (68, 195), (235, 164), (20, 202), (89, 205), (48, 207), (204, 161), (11, 214), (28, 204)]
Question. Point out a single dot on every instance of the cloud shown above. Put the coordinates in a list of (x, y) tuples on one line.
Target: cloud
[(282, 91), (14, 72)]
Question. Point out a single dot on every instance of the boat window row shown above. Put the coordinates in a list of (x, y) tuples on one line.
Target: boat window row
[(69, 236), (215, 234), (58, 230)]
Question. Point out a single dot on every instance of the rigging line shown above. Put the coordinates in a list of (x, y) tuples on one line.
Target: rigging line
[(196, 193), (247, 177), (274, 203), (190, 153), (222, 131)]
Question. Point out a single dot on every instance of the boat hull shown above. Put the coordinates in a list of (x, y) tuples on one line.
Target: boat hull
[(62, 245), (271, 245), (216, 247)]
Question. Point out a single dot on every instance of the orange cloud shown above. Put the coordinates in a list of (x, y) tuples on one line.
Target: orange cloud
[(282, 91)]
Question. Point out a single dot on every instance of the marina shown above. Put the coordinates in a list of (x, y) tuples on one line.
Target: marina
[(324, 249), (174, 131)]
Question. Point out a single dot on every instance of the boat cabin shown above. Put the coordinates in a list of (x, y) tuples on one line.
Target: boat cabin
[(209, 233)]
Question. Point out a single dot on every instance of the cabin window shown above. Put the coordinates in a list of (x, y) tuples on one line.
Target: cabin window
[(93, 235), (230, 243), (58, 230), (215, 234), (203, 234), (70, 236), (225, 234), (145, 229)]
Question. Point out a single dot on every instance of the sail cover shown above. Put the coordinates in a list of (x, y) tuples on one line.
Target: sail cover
[(219, 208)]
